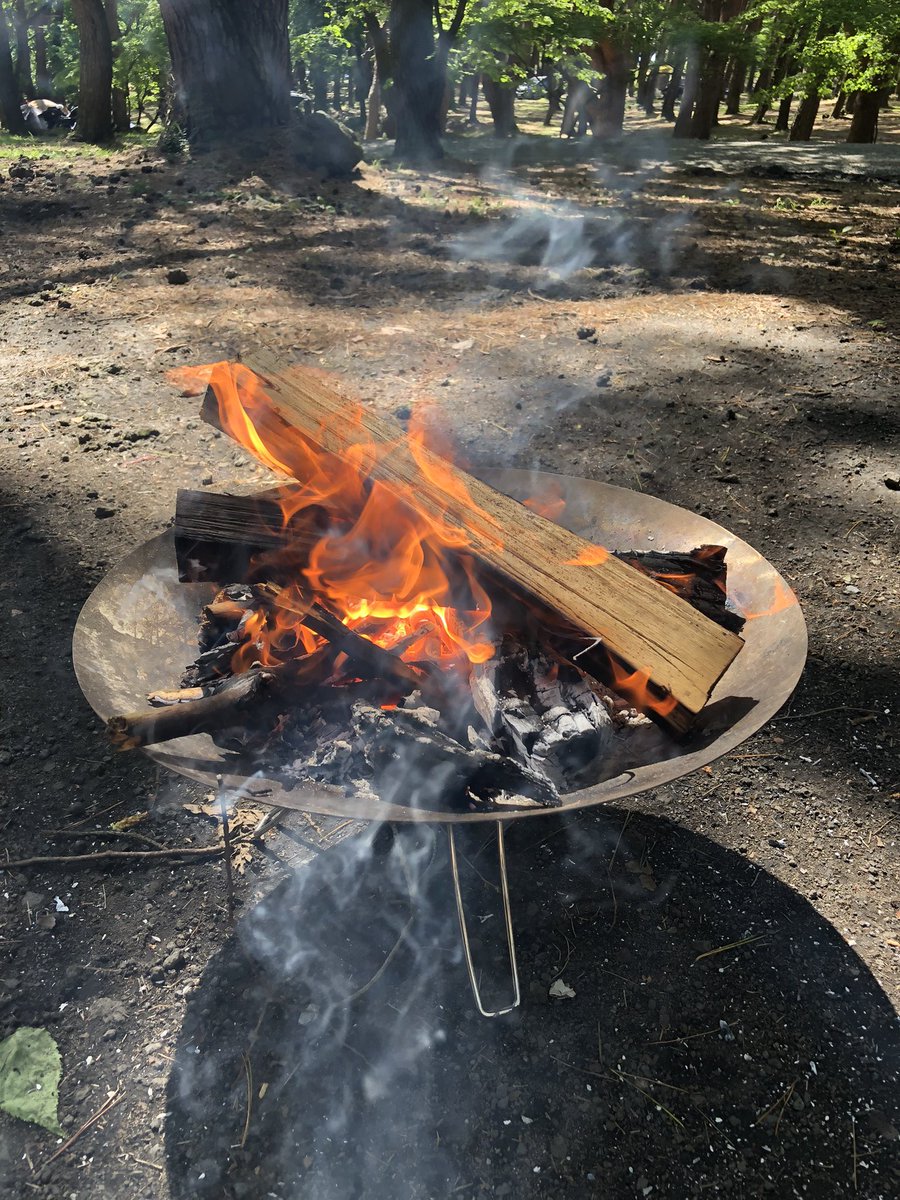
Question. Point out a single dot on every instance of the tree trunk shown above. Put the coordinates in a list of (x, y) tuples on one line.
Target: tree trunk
[(230, 59), (670, 94), (706, 103), (373, 107), (864, 126), (10, 112), (23, 52), (419, 73), (615, 64), (647, 91), (802, 128), (473, 101), (42, 82), (783, 121), (336, 95), (95, 62), (120, 106), (686, 110), (501, 102), (839, 105), (735, 89)]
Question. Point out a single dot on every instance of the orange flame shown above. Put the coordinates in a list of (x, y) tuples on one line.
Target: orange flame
[(635, 687), (782, 598), (390, 572), (590, 556)]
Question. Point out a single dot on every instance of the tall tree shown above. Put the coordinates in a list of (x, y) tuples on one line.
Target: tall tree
[(121, 115), (95, 66), (10, 112), (231, 63)]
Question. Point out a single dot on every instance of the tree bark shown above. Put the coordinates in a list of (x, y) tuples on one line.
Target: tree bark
[(802, 128), (42, 82), (10, 112), (615, 65), (120, 105), (230, 59), (501, 102), (706, 103), (23, 51), (647, 91), (419, 74), (864, 126), (373, 107), (686, 110), (473, 101), (839, 105), (735, 88), (95, 121), (783, 121), (670, 94)]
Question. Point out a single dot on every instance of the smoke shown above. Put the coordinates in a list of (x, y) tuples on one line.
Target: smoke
[(558, 238), (344, 1009)]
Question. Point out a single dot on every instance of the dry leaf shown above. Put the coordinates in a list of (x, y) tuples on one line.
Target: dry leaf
[(129, 822)]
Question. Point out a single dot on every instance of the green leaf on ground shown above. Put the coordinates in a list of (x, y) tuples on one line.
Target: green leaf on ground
[(30, 1071)]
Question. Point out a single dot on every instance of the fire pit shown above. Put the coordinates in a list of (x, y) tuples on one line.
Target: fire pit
[(139, 627)]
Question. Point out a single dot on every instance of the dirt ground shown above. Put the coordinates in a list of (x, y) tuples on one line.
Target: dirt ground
[(725, 339)]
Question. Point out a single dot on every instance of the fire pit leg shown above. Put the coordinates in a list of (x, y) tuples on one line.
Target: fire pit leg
[(507, 919)]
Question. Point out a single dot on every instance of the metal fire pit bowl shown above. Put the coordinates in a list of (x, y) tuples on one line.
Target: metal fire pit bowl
[(138, 631)]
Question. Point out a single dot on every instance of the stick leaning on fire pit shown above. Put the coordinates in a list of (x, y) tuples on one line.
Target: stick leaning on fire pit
[(681, 652)]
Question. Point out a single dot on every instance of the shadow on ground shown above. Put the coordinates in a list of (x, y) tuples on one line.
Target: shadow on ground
[(333, 1050)]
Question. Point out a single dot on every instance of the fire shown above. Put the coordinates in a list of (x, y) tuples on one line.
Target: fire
[(782, 598), (590, 556), (635, 687), (393, 574)]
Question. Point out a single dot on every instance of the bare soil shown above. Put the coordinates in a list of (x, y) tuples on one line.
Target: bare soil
[(724, 337)]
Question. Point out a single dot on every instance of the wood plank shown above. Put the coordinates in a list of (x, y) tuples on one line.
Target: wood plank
[(650, 628)]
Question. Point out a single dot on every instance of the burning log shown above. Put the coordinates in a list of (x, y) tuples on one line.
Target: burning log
[(364, 653), (677, 648), (217, 535)]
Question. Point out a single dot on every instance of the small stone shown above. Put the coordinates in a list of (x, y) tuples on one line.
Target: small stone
[(777, 843), (403, 413), (114, 369), (5, 758), (584, 332), (102, 511), (177, 275), (230, 273), (173, 961), (206, 480), (892, 483), (850, 590)]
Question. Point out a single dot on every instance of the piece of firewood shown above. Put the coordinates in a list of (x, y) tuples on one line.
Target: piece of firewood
[(226, 706), (218, 536), (680, 650)]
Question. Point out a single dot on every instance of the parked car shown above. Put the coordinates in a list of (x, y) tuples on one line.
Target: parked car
[(532, 89)]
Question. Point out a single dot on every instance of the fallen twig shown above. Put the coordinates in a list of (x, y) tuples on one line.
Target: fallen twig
[(104, 1108), (614, 1074), (108, 833), (729, 946), (99, 855), (820, 712), (248, 1071)]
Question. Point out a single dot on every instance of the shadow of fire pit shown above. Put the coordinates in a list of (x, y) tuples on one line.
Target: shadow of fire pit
[(405, 1092)]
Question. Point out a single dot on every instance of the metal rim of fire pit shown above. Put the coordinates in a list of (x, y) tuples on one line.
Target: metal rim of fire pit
[(138, 629)]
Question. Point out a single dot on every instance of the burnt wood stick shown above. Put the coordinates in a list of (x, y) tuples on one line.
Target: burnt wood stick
[(359, 649), (653, 630), (226, 706)]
